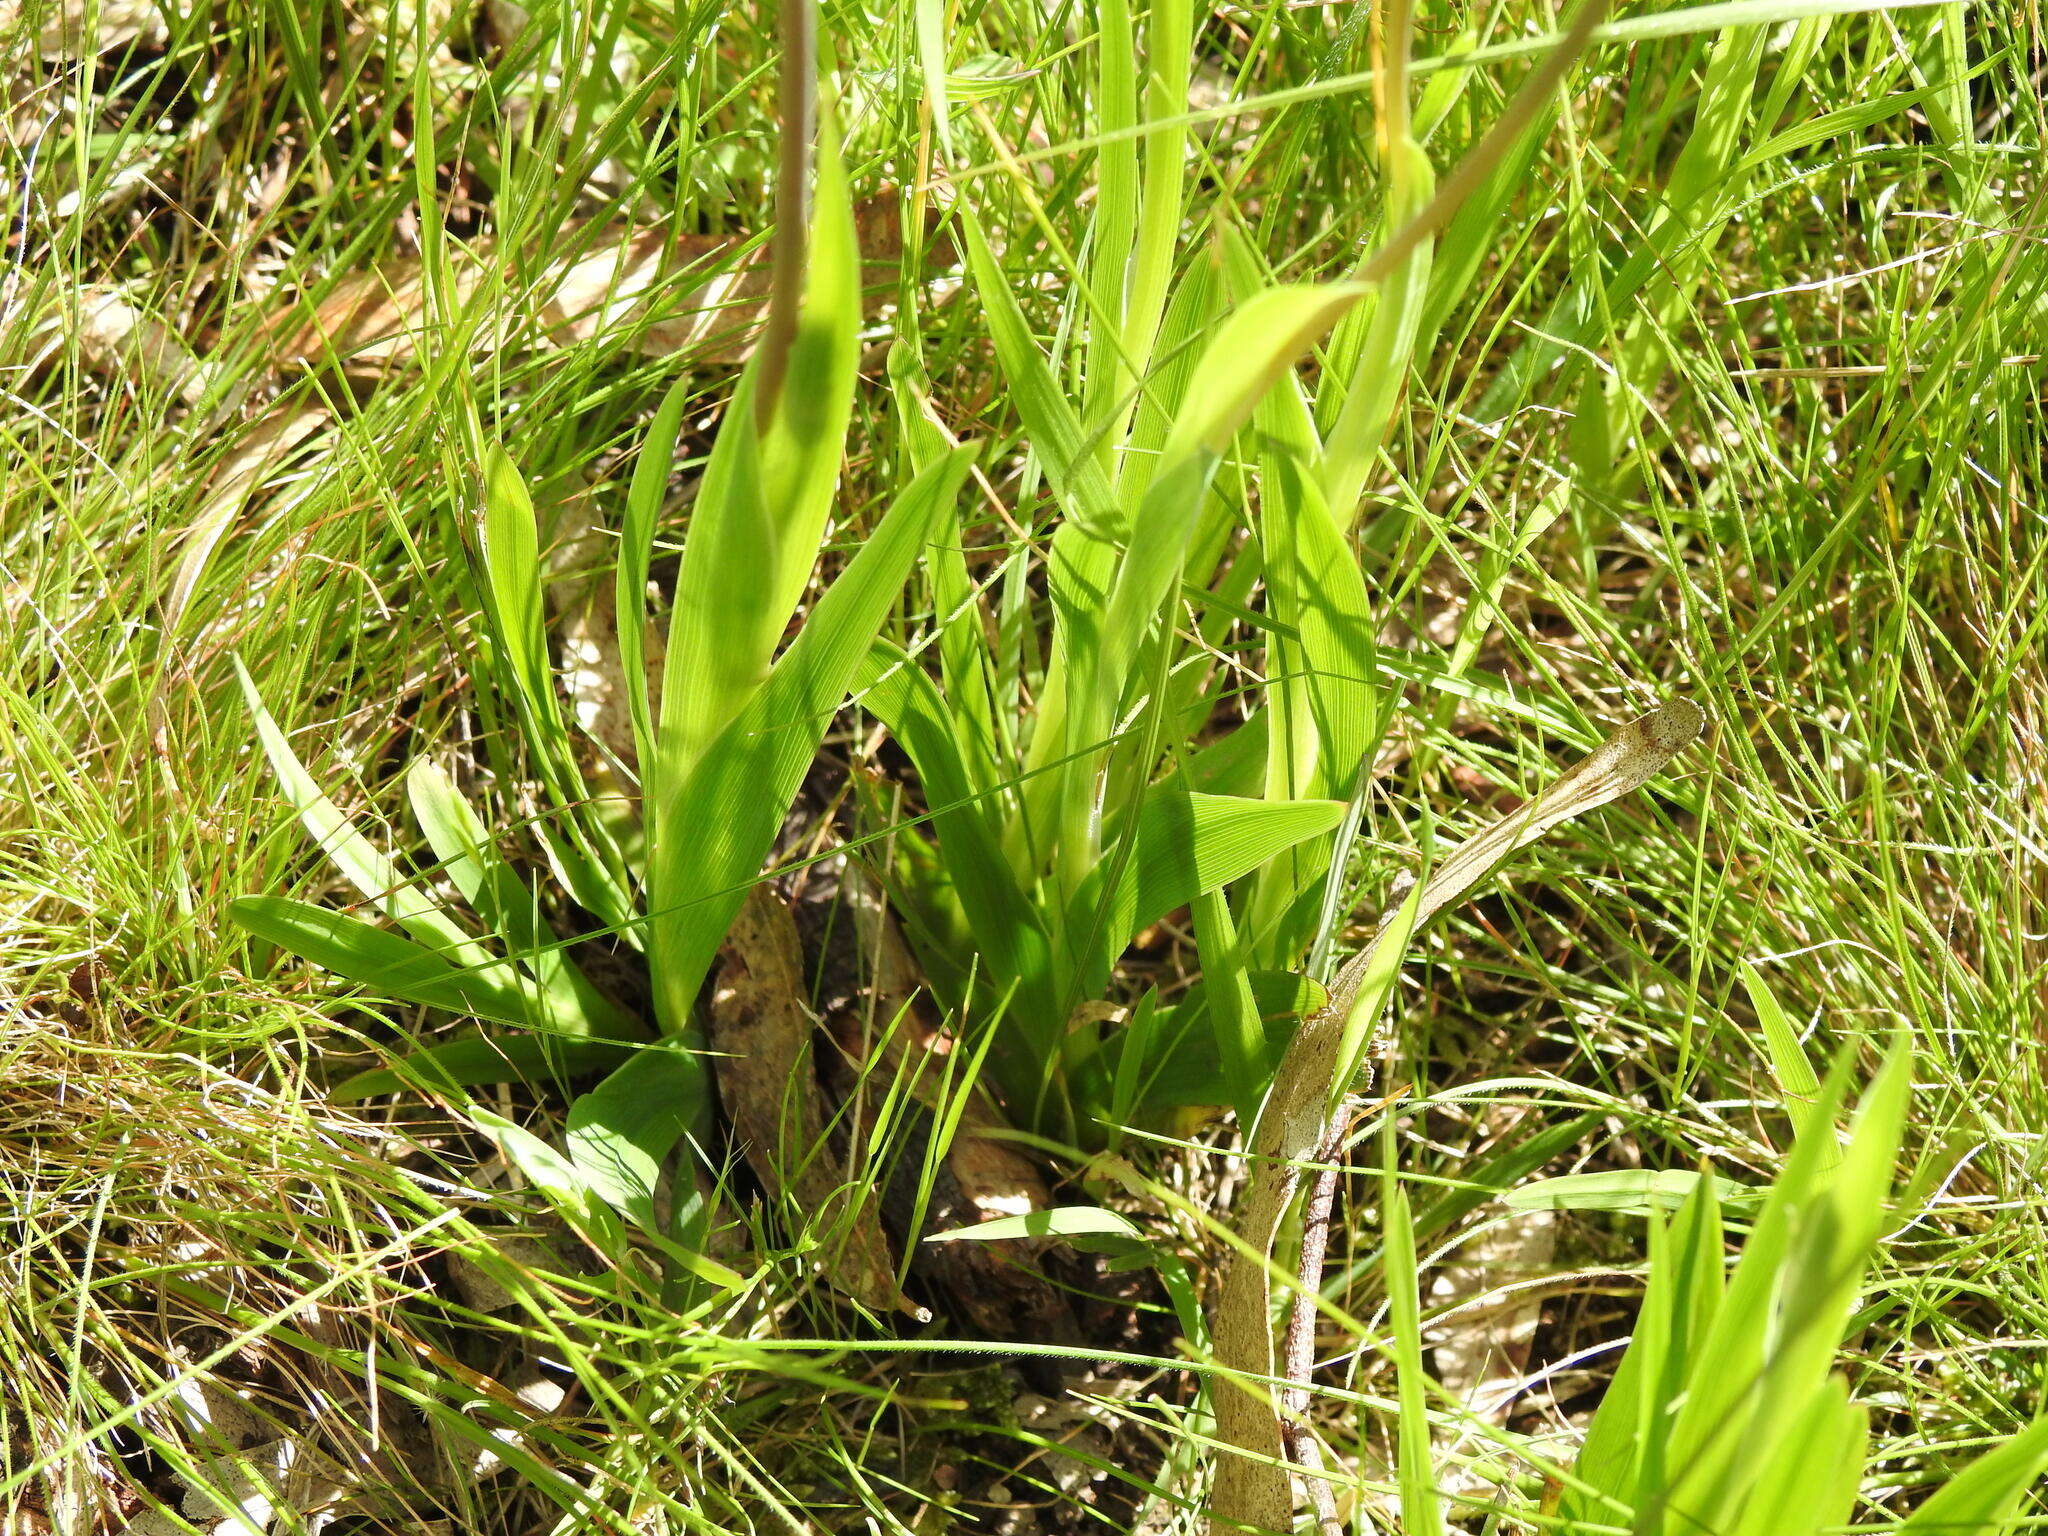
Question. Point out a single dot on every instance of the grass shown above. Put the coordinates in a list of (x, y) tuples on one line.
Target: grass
[(1738, 396)]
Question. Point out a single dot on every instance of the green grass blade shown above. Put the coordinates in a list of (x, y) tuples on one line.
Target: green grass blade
[(1789, 1065), (929, 17), (1415, 1467)]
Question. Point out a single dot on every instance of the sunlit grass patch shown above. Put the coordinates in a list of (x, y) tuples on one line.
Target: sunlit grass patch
[(1726, 383)]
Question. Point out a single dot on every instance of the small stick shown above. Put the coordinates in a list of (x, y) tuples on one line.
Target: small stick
[(1310, 1086), (1300, 1365)]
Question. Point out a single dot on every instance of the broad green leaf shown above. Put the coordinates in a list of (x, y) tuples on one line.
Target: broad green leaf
[(551, 1173), (503, 901), (1376, 368), (1063, 1221), (1443, 89), (1625, 1445), (1082, 557), (512, 593), (1235, 1026), (1737, 1341), (1119, 1061), (455, 834), (1233, 763), (1197, 307), (513, 589), (763, 503), (1261, 340), (1169, 47), (1329, 699), (1838, 1233), (1807, 1483), (724, 591), (1113, 230), (711, 830), (1183, 844), (620, 1132), (805, 439), (582, 1200), (1983, 1498), (1008, 932), (935, 923), (1945, 60), (1108, 656), (1177, 1067), (397, 967), (539, 1061), (1776, 1332), (1086, 1227), (1321, 649), (1138, 216), (1252, 349), (349, 851), (1057, 437), (964, 650)]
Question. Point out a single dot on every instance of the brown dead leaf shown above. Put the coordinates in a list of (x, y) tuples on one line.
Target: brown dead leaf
[(996, 1178), (72, 29), (654, 291), (766, 1081), (1492, 1311), (117, 336), (997, 1286), (262, 448)]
